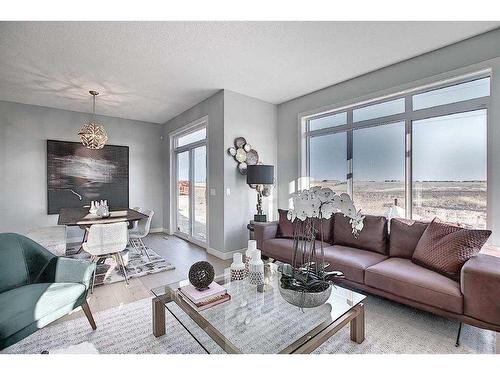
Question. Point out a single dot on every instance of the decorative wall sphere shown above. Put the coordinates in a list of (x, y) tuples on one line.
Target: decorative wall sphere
[(241, 155), (240, 142), (244, 154), (201, 275)]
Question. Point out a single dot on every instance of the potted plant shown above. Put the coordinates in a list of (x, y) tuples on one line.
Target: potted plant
[(306, 282)]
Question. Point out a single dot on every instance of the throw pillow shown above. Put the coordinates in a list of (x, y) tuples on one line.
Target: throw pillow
[(327, 227), (285, 226), (445, 248), (373, 237), (404, 235)]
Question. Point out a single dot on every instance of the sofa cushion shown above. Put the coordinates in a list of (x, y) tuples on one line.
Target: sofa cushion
[(351, 261), (327, 227), (373, 237), (282, 248), (22, 306), (404, 235), (285, 226), (445, 248), (406, 279)]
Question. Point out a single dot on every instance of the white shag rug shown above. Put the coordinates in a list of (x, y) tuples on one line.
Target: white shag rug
[(390, 328)]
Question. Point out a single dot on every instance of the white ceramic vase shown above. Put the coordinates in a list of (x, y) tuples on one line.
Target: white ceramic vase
[(238, 271), (256, 269), (251, 246)]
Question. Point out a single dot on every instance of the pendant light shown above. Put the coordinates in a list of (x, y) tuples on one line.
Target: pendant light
[(92, 134)]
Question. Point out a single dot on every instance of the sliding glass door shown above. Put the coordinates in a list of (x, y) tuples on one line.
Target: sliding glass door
[(200, 193), (183, 193), (190, 153)]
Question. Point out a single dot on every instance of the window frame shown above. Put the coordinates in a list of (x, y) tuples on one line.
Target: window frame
[(408, 116)]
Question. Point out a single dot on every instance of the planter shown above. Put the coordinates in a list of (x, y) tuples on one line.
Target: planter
[(305, 299)]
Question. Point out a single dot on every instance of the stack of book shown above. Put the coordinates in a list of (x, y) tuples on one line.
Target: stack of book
[(203, 299)]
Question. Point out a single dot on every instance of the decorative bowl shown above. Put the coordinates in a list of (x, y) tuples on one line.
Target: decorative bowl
[(305, 299)]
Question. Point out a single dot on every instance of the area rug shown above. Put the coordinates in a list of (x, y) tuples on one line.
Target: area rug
[(139, 264), (391, 328)]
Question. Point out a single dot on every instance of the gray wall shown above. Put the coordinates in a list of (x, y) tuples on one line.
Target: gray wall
[(256, 121), (24, 130), (472, 54), (229, 115), (213, 107)]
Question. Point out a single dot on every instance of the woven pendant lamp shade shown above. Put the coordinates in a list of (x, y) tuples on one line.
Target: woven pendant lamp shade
[(93, 135)]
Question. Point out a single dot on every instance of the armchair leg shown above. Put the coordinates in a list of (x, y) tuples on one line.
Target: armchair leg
[(94, 259), (457, 343), (88, 314)]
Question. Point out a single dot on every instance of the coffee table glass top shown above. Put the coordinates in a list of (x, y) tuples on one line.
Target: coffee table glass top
[(253, 321)]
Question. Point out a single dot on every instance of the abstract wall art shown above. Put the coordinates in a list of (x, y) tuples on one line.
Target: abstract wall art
[(77, 175)]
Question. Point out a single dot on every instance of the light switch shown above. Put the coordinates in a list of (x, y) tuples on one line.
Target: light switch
[(228, 192), (212, 192)]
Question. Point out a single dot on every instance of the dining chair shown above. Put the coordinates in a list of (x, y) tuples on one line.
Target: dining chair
[(133, 225), (107, 240), (142, 230)]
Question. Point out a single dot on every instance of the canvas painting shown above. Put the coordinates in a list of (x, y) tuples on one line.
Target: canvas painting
[(77, 175)]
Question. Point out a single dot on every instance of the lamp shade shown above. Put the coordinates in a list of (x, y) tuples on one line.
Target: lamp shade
[(260, 174)]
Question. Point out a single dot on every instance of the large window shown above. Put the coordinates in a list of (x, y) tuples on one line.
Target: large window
[(328, 166), (423, 151), (379, 168), (449, 168)]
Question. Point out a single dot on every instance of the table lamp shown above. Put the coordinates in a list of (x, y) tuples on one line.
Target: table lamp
[(260, 175)]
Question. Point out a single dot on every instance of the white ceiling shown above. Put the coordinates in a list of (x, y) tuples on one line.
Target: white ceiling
[(152, 71)]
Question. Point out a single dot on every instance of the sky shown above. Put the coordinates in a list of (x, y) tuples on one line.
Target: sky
[(448, 148), (200, 169)]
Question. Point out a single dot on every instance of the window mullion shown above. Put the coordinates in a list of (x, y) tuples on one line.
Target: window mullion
[(408, 158), (349, 155)]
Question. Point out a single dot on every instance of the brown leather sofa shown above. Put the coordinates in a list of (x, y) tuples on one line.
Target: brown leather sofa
[(379, 263)]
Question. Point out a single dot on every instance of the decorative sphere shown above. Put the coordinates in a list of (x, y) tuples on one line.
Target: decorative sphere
[(201, 275)]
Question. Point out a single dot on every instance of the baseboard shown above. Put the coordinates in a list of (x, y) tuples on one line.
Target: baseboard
[(224, 255)]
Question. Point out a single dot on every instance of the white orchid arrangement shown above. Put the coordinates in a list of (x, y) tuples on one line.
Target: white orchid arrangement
[(318, 202), (307, 272)]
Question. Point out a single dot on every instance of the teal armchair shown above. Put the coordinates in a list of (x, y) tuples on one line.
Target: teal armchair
[(37, 287)]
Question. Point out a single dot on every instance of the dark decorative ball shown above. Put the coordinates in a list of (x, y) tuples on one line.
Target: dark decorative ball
[(201, 275)]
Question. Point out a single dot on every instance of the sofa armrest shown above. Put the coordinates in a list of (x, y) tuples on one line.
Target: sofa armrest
[(480, 285), (265, 231), (67, 270)]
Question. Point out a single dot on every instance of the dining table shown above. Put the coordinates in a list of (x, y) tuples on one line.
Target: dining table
[(81, 217)]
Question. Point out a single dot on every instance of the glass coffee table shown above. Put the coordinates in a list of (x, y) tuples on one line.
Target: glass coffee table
[(260, 322)]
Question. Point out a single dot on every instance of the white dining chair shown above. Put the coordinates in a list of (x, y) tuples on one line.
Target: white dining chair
[(107, 240), (142, 230), (134, 223)]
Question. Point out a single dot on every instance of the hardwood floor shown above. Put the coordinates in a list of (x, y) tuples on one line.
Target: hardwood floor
[(180, 253)]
